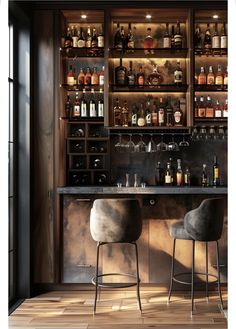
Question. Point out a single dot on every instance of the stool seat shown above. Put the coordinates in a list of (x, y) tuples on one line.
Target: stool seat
[(177, 231)]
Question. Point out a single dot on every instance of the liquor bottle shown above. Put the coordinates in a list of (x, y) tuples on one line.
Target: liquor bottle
[(68, 107), (92, 106), (218, 109), (76, 108), (223, 38), (101, 38), (167, 37), (173, 173), (226, 77), (178, 38), (81, 77), (70, 79), (204, 178), (201, 108), (196, 105), (202, 79), (169, 113), (118, 42), (74, 34), (216, 38), (210, 76), (120, 74), (148, 118), (101, 77), (141, 118), (94, 40), (187, 177), (83, 106), (149, 43), (125, 115), (198, 40), (178, 75), (168, 175), (134, 116), (140, 77), (68, 40), (88, 38), (178, 115), (207, 39), (87, 80), (101, 105), (209, 107), (225, 109), (81, 40), (94, 77), (130, 44), (131, 75), (117, 114), (179, 173), (159, 174), (216, 172), (219, 78), (154, 114), (172, 36), (161, 113), (154, 78)]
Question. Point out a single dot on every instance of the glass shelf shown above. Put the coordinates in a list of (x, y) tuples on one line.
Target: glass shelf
[(76, 87), (211, 88), (73, 52), (150, 88), (156, 52)]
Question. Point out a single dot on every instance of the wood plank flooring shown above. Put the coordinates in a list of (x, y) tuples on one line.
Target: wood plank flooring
[(118, 309)]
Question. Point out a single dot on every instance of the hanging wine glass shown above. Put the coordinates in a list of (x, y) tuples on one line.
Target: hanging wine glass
[(173, 146), (141, 146), (130, 144), (162, 146), (151, 147), (183, 143), (119, 145)]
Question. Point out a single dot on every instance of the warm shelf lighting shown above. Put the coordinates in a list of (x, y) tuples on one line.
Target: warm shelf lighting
[(215, 16), (83, 16), (148, 16)]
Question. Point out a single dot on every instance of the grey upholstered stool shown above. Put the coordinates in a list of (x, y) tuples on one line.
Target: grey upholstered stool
[(116, 221), (204, 223)]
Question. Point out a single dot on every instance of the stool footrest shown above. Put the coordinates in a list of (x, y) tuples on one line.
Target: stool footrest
[(197, 282), (114, 284)]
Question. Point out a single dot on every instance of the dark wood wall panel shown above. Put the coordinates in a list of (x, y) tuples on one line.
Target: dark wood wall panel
[(43, 147)]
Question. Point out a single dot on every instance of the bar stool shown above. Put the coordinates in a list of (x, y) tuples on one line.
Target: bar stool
[(116, 221), (204, 224)]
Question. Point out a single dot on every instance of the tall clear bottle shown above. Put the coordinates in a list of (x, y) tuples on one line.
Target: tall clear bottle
[(149, 43)]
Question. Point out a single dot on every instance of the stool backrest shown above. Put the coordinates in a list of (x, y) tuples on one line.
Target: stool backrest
[(115, 220), (205, 223)]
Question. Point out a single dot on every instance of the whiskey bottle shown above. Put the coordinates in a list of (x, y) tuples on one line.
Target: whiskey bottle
[(216, 38), (167, 37), (117, 114), (161, 113), (159, 174), (92, 106), (68, 40), (198, 40), (68, 107), (70, 79), (178, 75), (134, 116), (218, 109), (201, 108), (178, 38), (131, 75), (87, 79), (168, 175), (210, 77), (83, 106), (169, 113), (223, 38), (187, 177), (118, 42), (219, 78), (81, 77), (149, 43), (101, 105), (204, 178), (207, 39), (154, 114), (101, 77), (101, 38), (130, 44), (76, 108), (74, 34), (154, 78), (209, 107), (178, 115), (172, 36), (81, 40), (179, 173), (202, 79), (125, 115), (94, 77), (196, 105), (141, 118), (94, 40), (225, 109), (88, 42), (140, 77), (148, 118), (216, 172), (120, 74)]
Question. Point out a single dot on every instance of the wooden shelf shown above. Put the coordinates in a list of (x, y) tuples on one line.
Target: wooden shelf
[(79, 88), (149, 130), (211, 88), (223, 120), (74, 52), (150, 88), (212, 52), (157, 52)]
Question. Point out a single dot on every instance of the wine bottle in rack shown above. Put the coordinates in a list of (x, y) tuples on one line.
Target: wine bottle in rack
[(100, 105), (167, 37), (120, 74), (84, 106), (198, 40), (92, 106)]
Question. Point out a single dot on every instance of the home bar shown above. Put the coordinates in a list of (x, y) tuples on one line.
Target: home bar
[(122, 114)]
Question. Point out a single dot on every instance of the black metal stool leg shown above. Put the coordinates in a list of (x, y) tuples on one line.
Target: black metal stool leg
[(96, 280), (138, 279), (207, 295), (218, 271), (172, 271), (193, 269)]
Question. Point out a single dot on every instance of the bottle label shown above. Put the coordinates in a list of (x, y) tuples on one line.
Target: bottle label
[(216, 42), (121, 77), (177, 116), (101, 41), (70, 81), (167, 42), (101, 80), (92, 110), (134, 119), (148, 119), (178, 76), (88, 80), (100, 109), (168, 179), (216, 173), (141, 80), (210, 80), (218, 113), (81, 80), (83, 110), (178, 40), (131, 79), (75, 41), (179, 178), (141, 122), (219, 80), (201, 112), (154, 119), (209, 112), (76, 110), (161, 117), (81, 43), (130, 44), (223, 41)]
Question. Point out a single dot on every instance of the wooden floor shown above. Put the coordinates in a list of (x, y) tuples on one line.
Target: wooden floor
[(118, 309)]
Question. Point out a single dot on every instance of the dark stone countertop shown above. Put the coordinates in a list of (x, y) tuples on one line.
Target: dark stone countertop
[(140, 190)]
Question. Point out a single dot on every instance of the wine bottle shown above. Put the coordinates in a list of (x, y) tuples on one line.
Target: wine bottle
[(74, 34), (178, 115), (216, 38), (198, 40), (154, 114), (89, 38), (130, 45), (125, 115), (101, 38), (101, 105), (101, 77), (81, 40), (92, 106), (120, 74), (159, 174), (207, 39), (210, 76), (204, 178), (149, 43), (68, 107), (118, 43), (76, 108), (216, 172), (187, 177), (219, 78), (178, 38), (94, 40), (167, 37), (178, 75), (83, 106), (141, 118), (155, 78), (202, 78), (148, 118), (140, 77), (81, 77), (117, 114), (179, 173), (134, 116), (131, 75), (68, 40), (223, 38), (218, 109), (169, 113), (168, 175), (161, 113), (201, 107), (87, 80)]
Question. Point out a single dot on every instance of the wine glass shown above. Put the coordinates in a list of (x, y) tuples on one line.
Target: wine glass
[(141, 146), (183, 142), (130, 146), (172, 145), (162, 146), (119, 146), (151, 147)]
